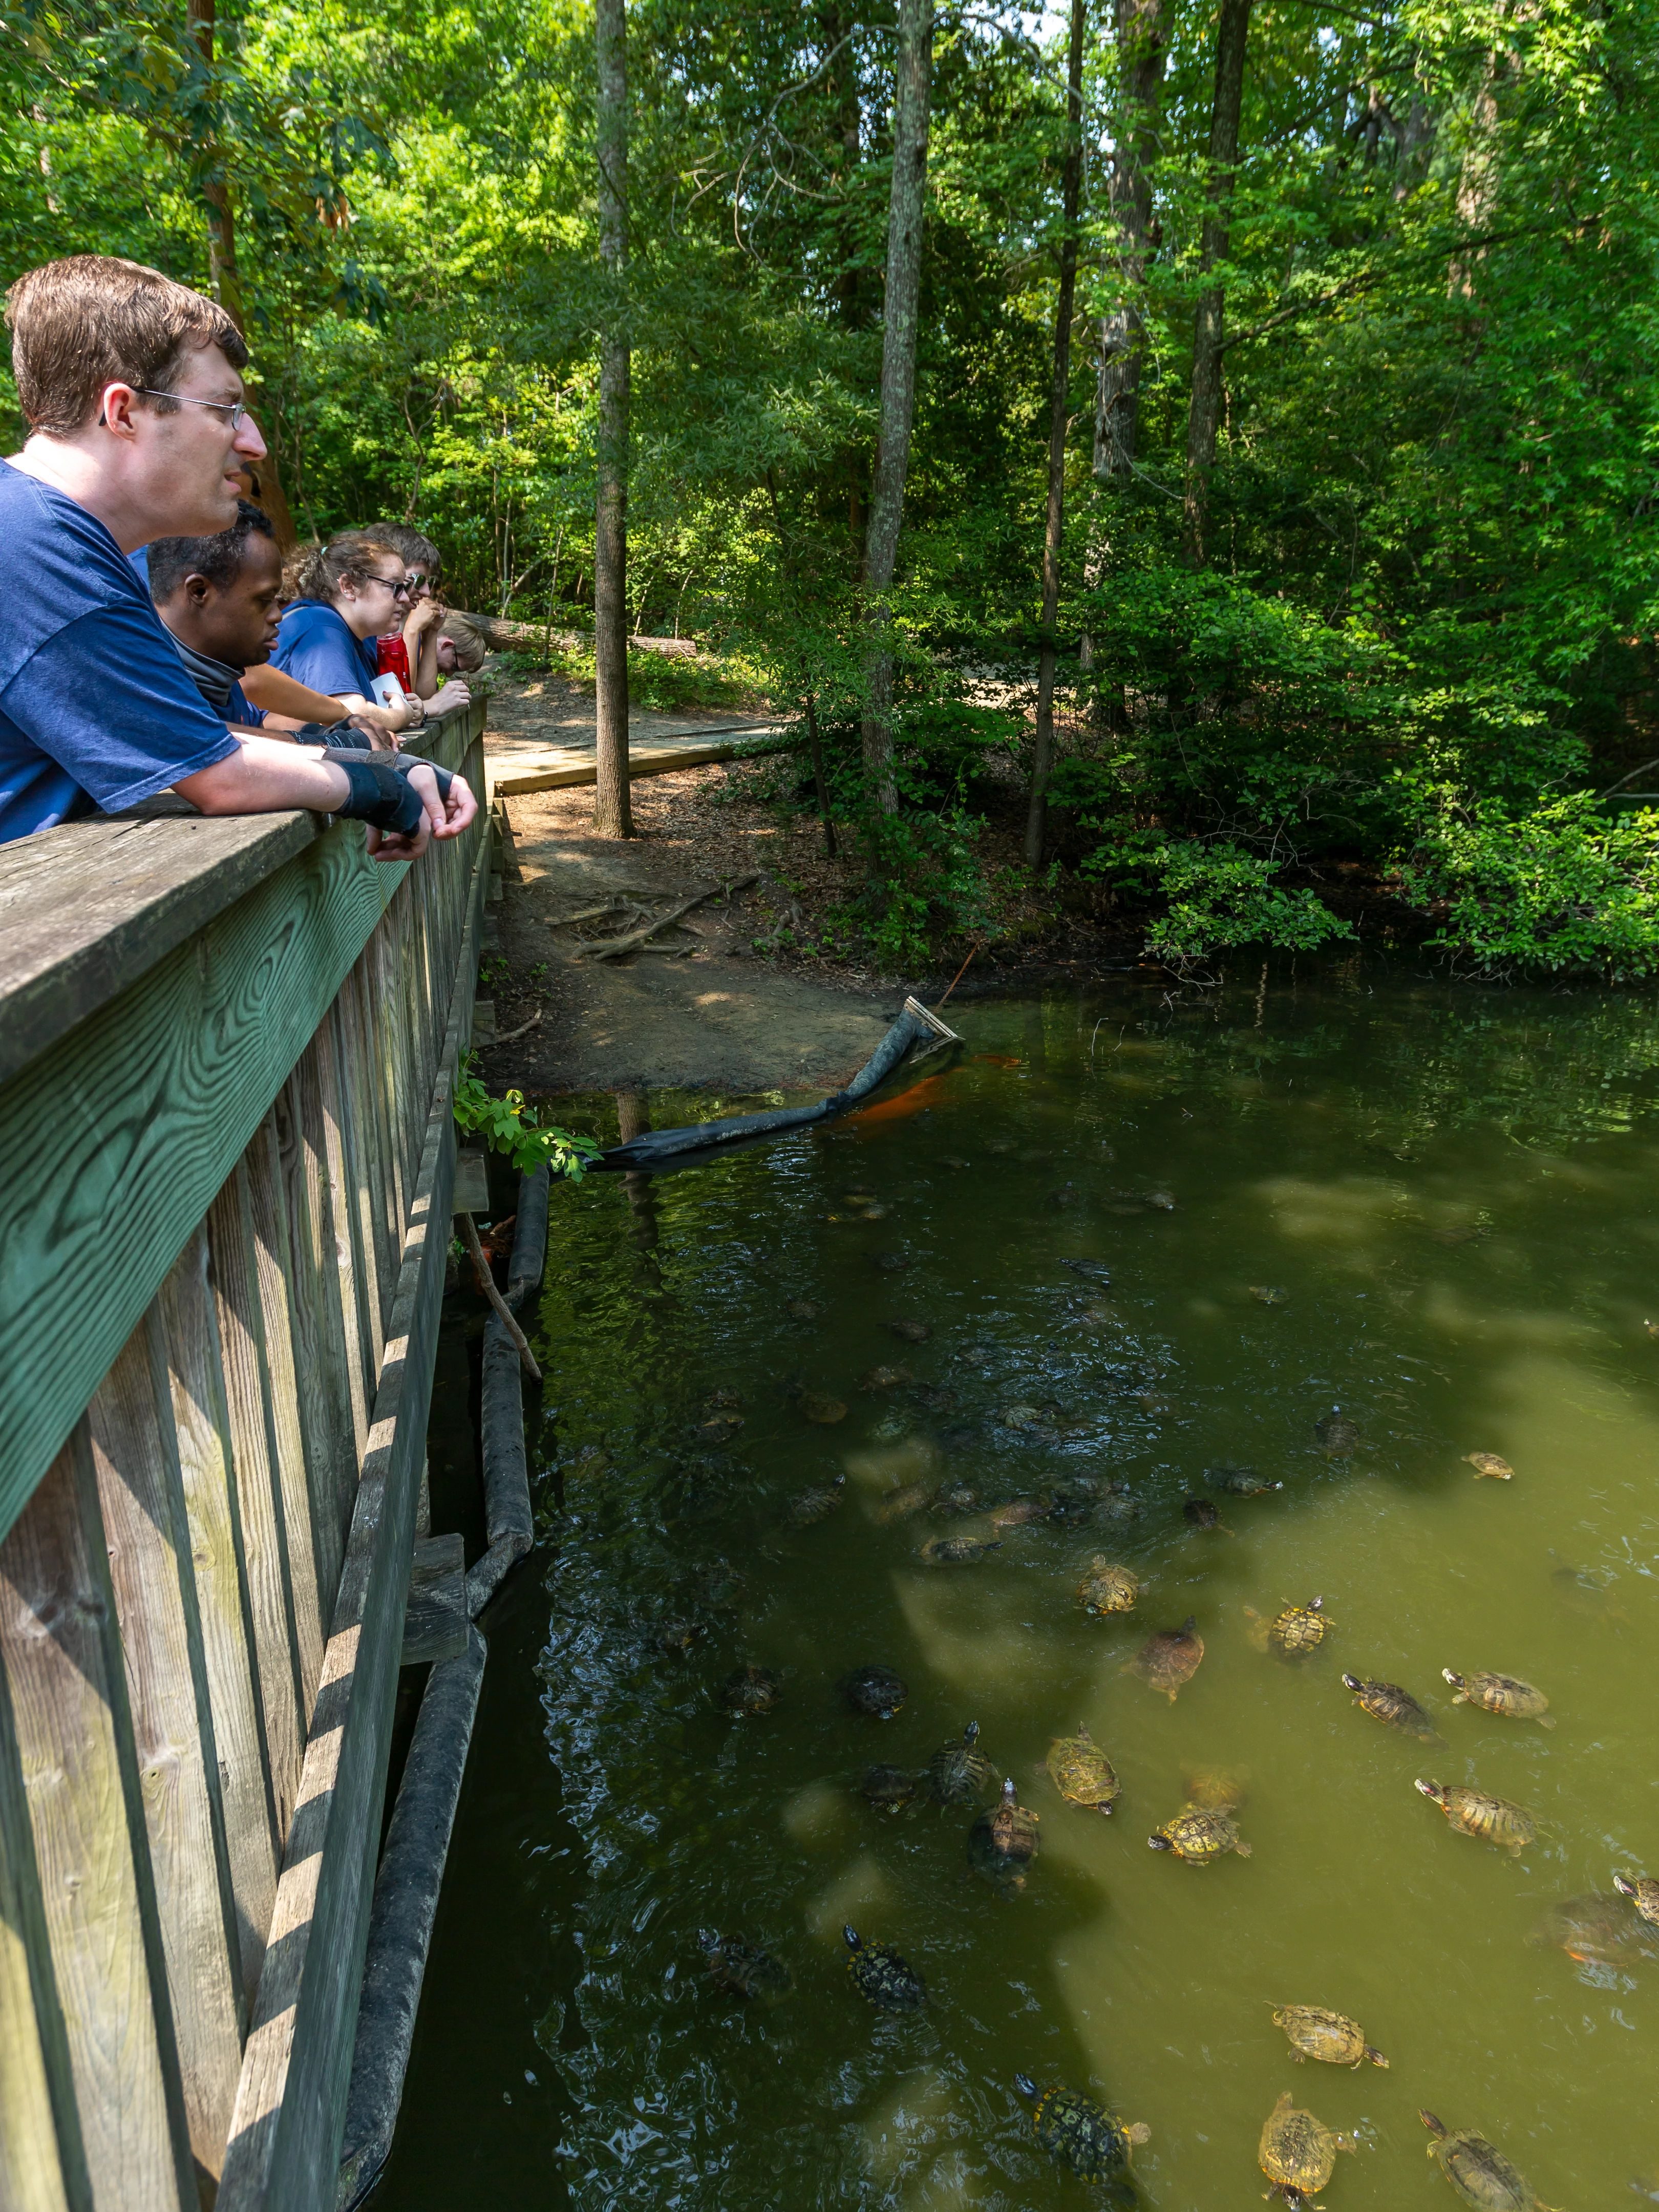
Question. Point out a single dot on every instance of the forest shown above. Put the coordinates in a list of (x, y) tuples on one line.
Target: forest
[(1221, 432)]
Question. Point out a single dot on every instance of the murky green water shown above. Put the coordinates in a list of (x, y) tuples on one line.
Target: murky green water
[(1454, 1195)]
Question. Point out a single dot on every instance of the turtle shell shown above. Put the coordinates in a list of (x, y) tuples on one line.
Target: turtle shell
[(959, 1773), (1082, 1773), (1479, 2171), (890, 1788), (1489, 1464), (1598, 1927), (817, 1505), (1388, 1702), (874, 1690), (956, 1551), (882, 1977), (1337, 1433), (1296, 2152), (1473, 1813), (1298, 1629), (1171, 1658), (751, 1690), (1080, 2133), (740, 1969), (1643, 1891), (1329, 2036), (1108, 1589), (1003, 1842), (1238, 1482), (1505, 1694), (1198, 1834)]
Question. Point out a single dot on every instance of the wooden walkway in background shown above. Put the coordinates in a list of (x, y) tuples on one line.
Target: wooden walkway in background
[(517, 764)]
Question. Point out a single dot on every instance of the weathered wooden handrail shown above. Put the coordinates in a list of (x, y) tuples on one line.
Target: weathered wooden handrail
[(227, 1053)]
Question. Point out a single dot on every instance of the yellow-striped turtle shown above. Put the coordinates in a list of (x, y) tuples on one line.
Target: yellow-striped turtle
[(1200, 1834), (881, 1976), (889, 1788), (1479, 2171), (1388, 1702), (1490, 1465), (877, 1691), (1505, 1694), (1297, 2153), (750, 1690), (1082, 1773), (1643, 1891), (1473, 1813), (1331, 2036), (956, 1551), (1080, 2133), (959, 1773), (1002, 1843), (1108, 1589), (1166, 1661), (1338, 1435), (1294, 1629), (813, 1505)]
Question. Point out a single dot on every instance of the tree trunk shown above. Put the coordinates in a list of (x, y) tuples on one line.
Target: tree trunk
[(611, 814), (851, 306), (1204, 411), (912, 82), (1142, 40), (1042, 755)]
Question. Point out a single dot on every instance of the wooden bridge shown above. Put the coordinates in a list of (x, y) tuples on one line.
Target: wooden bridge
[(226, 1151)]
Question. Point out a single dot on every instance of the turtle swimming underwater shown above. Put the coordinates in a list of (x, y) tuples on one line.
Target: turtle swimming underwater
[(1297, 2153), (802, 1309), (956, 1551), (1295, 1630), (889, 1982), (1337, 1433), (899, 1504), (1171, 1657), (1598, 1928), (1268, 1294), (1201, 1513), (1108, 1589), (1080, 2133), (1488, 1463), (1388, 1702), (1479, 2171), (1472, 1812), (740, 1969), (817, 1505), (911, 1331), (826, 1412), (874, 1690), (1501, 1694), (1330, 2036), (884, 1378), (1199, 1834), (1238, 1482), (1002, 1843), (1082, 1773), (750, 1690), (1643, 1891), (959, 1773), (889, 1788)]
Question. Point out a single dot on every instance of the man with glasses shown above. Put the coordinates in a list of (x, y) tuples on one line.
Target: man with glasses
[(138, 430)]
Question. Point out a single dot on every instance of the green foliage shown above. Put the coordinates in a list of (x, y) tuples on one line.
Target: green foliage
[(509, 1126), (1565, 888)]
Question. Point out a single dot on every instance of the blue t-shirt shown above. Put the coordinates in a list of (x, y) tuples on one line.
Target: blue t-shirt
[(96, 709), (238, 707), (314, 647)]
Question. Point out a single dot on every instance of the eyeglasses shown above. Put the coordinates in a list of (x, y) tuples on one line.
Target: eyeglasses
[(400, 590), (236, 408), (418, 579)]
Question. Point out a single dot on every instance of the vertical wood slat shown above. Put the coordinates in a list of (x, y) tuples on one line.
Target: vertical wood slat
[(379, 1188), (361, 1165), (239, 1315), (381, 1004), (42, 2167), (341, 1278), (184, 1352), (153, 1578), (328, 1416), (68, 1712)]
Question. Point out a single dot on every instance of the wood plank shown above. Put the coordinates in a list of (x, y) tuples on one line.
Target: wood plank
[(559, 767), (472, 1185), (435, 1620), (153, 1578), (69, 1715), (184, 1345), (234, 1278), (346, 1279), (359, 1171), (290, 2107), (170, 1077), (36, 2174)]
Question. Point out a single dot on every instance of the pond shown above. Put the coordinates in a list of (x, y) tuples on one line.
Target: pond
[(1432, 1210)]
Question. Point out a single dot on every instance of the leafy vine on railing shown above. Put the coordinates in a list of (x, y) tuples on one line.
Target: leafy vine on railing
[(509, 1126)]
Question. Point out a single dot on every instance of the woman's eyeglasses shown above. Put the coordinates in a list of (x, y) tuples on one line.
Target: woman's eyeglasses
[(402, 588)]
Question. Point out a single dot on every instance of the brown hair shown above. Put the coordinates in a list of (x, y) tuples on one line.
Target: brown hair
[(324, 568), (81, 324), (468, 641), (414, 551)]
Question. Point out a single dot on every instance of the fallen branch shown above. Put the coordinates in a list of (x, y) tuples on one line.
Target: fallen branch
[(503, 1312), (508, 1036), (613, 948)]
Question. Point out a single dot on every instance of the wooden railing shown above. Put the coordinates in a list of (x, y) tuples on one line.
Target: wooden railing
[(227, 1150)]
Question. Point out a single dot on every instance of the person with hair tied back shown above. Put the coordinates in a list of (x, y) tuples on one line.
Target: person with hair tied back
[(348, 591), (131, 388)]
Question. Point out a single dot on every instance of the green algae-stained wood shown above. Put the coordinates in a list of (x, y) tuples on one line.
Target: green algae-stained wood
[(117, 1134)]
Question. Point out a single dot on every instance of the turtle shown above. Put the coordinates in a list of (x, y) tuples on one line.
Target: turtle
[(1598, 1927), (1108, 1589), (1080, 2133), (751, 1690), (1064, 1198), (825, 1411), (1201, 1513), (1501, 1694), (1489, 1464), (911, 1331), (875, 1690), (1199, 1833), (1387, 1701), (720, 1426), (1171, 1657), (1082, 1773), (1268, 1294), (1002, 1843), (1642, 1890), (899, 1504), (1297, 2153), (1330, 2036), (1337, 1433), (1214, 1789), (724, 1401), (1159, 1201), (1020, 1512), (817, 1505), (1479, 2171), (888, 1787), (957, 1497), (679, 1638), (885, 1378), (1021, 1417), (802, 1309), (1095, 1271), (958, 1773), (1294, 1629), (1472, 1812), (880, 1975), (956, 1551), (1238, 1482), (740, 1969)]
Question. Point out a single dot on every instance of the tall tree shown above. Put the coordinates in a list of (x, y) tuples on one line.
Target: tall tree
[(612, 815), (1042, 755), (1204, 409), (913, 74), (1142, 36)]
